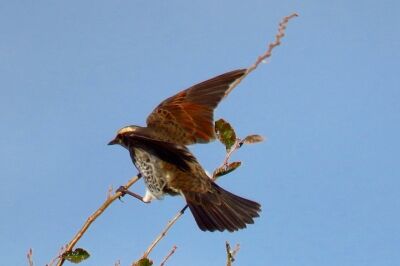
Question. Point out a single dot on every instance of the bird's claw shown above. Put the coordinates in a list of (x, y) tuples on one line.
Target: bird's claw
[(122, 190)]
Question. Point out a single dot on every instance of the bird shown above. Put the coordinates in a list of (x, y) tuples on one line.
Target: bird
[(160, 153)]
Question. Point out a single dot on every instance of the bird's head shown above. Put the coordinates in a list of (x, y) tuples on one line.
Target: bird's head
[(121, 135)]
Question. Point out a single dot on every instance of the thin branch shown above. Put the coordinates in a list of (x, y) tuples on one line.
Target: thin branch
[(110, 199), (229, 258), (268, 53), (164, 232), (169, 255), (231, 254)]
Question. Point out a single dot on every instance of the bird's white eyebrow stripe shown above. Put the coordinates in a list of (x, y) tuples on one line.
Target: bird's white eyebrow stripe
[(125, 130)]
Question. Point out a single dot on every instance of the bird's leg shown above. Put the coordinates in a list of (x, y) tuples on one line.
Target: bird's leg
[(123, 190)]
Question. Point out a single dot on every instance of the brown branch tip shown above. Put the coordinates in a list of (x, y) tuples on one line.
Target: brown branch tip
[(171, 252), (268, 53)]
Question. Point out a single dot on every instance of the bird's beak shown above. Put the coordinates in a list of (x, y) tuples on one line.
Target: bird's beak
[(113, 142)]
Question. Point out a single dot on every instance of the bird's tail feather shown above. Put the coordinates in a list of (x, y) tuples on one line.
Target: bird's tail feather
[(221, 210)]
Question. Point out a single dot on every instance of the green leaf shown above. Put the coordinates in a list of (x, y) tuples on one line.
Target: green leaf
[(225, 133), (252, 139), (143, 262), (223, 171), (76, 256)]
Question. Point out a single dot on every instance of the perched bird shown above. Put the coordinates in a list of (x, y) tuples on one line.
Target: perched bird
[(159, 153)]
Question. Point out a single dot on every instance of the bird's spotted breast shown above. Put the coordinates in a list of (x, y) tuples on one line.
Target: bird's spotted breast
[(149, 167)]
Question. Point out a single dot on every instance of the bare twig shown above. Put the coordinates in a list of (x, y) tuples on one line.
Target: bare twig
[(110, 199), (268, 53), (164, 232), (231, 254), (172, 251), (29, 256)]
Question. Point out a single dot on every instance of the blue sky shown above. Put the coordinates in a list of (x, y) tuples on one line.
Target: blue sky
[(73, 72)]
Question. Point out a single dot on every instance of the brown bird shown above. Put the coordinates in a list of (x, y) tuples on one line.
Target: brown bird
[(168, 167)]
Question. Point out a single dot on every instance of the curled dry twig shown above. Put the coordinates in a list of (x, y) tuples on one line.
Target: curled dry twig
[(268, 53)]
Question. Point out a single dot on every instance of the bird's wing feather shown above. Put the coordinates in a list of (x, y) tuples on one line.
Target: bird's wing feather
[(187, 117)]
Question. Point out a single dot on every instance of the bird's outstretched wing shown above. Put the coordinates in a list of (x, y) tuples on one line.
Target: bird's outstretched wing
[(187, 117)]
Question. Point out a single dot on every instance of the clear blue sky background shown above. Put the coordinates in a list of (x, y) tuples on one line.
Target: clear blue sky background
[(73, 72)]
